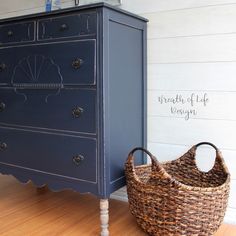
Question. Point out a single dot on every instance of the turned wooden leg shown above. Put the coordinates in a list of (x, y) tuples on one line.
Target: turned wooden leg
[(104, 216)]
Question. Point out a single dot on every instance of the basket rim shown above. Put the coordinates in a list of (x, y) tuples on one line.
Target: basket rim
[(181, 185), (173, 181)]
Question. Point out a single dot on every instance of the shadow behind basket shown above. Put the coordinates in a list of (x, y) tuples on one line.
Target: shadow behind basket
[(176, 198)]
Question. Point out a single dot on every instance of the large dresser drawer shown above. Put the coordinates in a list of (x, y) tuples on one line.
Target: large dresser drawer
[(67, 26), (17, 32), (73, 157), (60, 109), (71, 63)]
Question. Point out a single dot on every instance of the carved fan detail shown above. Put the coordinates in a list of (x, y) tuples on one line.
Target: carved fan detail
[(37, 72)]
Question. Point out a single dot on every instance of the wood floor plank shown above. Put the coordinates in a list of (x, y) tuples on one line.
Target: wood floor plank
[(24, 210)]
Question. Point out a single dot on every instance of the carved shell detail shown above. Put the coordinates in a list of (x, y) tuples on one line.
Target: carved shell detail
[(37, 72)]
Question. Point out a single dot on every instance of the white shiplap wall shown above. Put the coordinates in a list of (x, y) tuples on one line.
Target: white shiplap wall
[(23, 7), (191, 50)]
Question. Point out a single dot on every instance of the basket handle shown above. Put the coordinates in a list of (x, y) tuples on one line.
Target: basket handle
[(141, 149), (219, 160), (207, 143), (155, 163)]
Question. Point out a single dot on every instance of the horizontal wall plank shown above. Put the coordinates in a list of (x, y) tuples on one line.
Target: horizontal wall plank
[(230, 216), (182, 132), (25, 7), (230, 160), (139, 6), (232, 196), (204, 158), (192, 104), (21, 5), (195, 21), (32, 10), (112, 2), (195, 76), (213, 48)]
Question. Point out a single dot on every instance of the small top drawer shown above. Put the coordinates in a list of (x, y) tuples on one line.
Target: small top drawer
[(17, 32), (67, 26)]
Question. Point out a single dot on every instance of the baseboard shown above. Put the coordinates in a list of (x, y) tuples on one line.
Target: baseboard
[(230, 216), (120, 195)]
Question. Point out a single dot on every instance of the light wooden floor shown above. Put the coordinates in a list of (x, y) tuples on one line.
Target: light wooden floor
[(26, 212)]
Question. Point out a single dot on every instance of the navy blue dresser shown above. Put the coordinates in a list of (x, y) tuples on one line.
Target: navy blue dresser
[(72, 98)]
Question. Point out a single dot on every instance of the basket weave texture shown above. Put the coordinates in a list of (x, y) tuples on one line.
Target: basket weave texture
[(176, 198)]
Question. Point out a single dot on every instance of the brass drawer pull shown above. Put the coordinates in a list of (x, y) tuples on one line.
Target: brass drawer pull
[(2, 106), (10, 33), (76, 64), (64, 27), (2, 67), (78, 159), (77, 112), (3, 146)]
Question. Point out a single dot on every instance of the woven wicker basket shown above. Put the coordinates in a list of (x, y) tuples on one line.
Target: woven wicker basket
[(176, 198)]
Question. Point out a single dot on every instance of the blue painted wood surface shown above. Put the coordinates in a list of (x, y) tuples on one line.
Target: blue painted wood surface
[(49, 64), (42, 84)]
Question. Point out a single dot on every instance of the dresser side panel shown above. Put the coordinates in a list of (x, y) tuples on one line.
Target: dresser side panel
[(125, 92)]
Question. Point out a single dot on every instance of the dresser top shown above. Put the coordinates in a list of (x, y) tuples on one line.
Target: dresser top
[(73, 9)]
